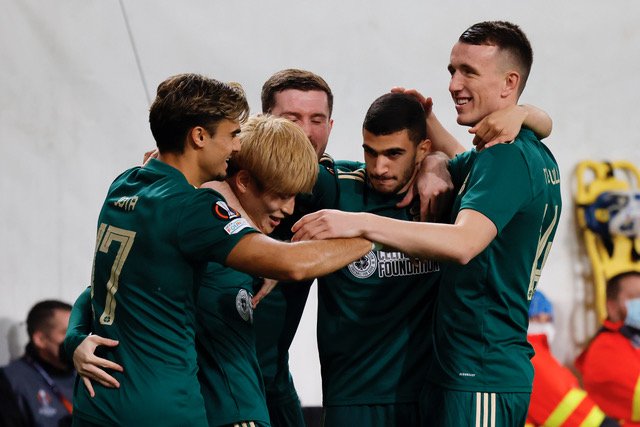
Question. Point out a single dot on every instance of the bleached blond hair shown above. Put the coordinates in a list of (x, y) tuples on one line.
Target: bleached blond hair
[(277, 154)]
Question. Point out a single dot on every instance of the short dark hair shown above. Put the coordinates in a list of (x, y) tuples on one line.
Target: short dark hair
[(506, 36), (189, 100), (613, 284), (394, 112), (40, 315), (292, 78)]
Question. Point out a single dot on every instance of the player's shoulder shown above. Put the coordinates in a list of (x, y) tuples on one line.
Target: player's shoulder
[(343, 169), (358, 174), (219, 205)]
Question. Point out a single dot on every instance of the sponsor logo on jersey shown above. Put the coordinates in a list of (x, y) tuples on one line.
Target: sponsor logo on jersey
[(243, 305), (390, 264), (236, 225), (394, 264), (364, 267), (224, 211)]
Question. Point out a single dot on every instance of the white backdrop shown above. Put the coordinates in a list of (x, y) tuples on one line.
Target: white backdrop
[(75, 87)]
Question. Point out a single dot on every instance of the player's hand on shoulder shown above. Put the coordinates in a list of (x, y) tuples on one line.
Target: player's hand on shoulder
[(501, 126), (151, 154), (435, 188)]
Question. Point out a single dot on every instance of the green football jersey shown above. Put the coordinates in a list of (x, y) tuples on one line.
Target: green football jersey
[(230, 377), (276, 321), (374, 316), (482, 312), (156, 232)]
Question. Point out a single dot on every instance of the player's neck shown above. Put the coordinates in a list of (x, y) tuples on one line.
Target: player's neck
[(184, 164)]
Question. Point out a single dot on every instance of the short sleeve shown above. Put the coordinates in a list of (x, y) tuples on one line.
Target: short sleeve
[(498, 184), (209, 228), (460, 166)]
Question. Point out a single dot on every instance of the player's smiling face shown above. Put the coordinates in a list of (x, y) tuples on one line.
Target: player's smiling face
[(391, 160), (220, 146), (476, 81), (266, 208)]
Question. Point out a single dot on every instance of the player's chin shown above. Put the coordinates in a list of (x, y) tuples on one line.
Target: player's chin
[(386, 188)]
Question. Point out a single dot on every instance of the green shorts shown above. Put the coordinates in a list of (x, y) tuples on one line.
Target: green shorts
[(450, 408), (391, 415)]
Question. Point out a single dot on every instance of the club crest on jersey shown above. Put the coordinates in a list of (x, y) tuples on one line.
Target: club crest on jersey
[(224, 211), (364, 267), (236, 225), (243, 305)]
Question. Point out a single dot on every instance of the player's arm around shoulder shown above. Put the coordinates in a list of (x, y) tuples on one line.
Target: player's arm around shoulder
[(504, 125), (260, 255), (457, 243)]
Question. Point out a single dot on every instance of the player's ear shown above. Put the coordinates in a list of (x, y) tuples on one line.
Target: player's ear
[(196, 136), (242, 180), (423, 148), (511, 82)]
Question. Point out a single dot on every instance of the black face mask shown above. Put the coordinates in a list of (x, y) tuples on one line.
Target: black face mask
[(65, 358)]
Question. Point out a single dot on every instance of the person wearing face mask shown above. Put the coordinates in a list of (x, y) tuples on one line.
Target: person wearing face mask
[(42, 380), (557, 398), (610, 366)]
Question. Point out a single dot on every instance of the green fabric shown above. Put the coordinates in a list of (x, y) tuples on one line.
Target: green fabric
[(276, 321), (398, 415), (374, 315), (230, 378), (286, 412), (155, 234), (79, 322), (482, 313), (442, 407)]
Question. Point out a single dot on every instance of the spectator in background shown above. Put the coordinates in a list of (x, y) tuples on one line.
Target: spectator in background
[(42, 380), (610, 366), (557, 398)]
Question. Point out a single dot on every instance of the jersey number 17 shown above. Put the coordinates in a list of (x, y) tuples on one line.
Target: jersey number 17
[(108, 234)]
